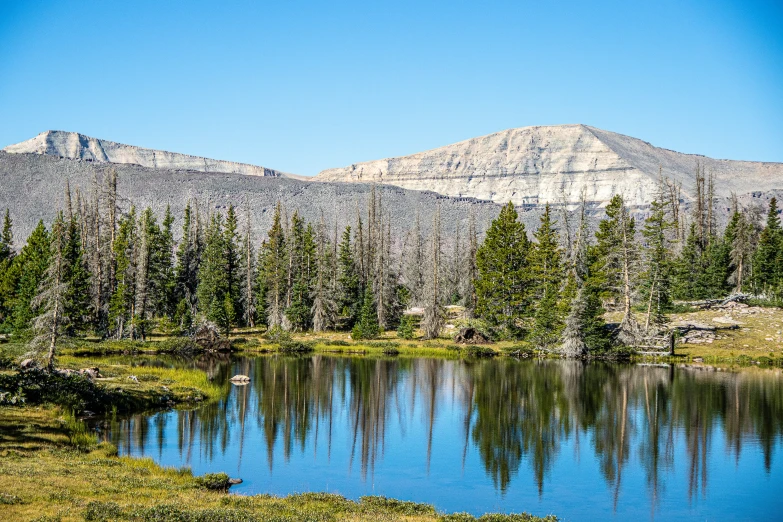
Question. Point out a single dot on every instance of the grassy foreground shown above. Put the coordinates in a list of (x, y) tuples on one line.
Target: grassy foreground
[(52, 468)]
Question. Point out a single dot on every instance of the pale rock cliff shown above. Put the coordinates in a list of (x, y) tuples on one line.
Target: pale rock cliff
[(556, 164), (72, 145)]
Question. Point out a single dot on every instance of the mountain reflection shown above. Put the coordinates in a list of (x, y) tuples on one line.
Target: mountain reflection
[(514, 415)]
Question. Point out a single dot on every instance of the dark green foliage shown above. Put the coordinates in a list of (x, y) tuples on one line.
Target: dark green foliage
[(29, 268), (407, 327), (215, 302), (367, 326), (274, 270), (478, 351), (503, 284), (656, 285), (767, 260), (546, 268), (296, 347), (214, 481), (349, 299)]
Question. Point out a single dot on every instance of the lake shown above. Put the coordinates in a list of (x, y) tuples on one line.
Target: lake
[(579, 440)]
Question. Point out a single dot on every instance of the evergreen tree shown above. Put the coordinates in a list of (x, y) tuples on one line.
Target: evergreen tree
[(324, 303), (766, 270), (367, 325), (656, 284), (350, 298), (8, 276), (186, 271), (546, 268), (688, 267), (407, 328), (50, 300), (503, 284), (125, 253), (6, 239), (275, 263), (214, 300), (741, 248), (618, 263), (75, 275), (29, 268), (302, 270), (233, 262)]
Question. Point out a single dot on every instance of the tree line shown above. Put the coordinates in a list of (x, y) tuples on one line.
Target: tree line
[(118, 273)]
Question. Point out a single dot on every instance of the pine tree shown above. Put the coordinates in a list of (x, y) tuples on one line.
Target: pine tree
[(502, 285), (324, 305), (546, 268), (50, 299), (186, 271), (233, 262), (29, 267), (656, 284), (8, 276), (766, 272), (123, 298), (407, 328), (302, 274), (214, 300), (414, 264), (350, 297), (367, 325), (275, 264), (6, 239), (75, 275), (618, 258)]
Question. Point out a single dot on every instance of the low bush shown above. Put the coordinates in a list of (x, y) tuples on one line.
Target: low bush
[(296, 347), (101, 511), (401, 507), (478, 351)]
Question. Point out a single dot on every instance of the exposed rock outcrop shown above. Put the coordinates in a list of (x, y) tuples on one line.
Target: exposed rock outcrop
[(72, 145), (555, 164)]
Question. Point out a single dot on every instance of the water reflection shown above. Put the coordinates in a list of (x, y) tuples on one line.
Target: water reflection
[(650, 426)]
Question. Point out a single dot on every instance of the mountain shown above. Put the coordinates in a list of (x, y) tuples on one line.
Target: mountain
[(555, 164), (72, 145), (32, 186)]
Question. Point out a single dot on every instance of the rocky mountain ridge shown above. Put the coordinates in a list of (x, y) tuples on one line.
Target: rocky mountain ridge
[(72, 145), (556, 164)]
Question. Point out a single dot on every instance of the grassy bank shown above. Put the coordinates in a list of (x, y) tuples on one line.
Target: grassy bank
[(51, 467), (44, 477)]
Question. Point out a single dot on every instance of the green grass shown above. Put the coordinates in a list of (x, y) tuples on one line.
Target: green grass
[(43, 476)]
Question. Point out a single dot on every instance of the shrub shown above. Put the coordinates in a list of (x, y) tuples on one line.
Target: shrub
[(276, 334), (401, 507), (406, 329), (97, 510), (9, 500), (178, 345), (296, 347), (478, 351), (214, 481)]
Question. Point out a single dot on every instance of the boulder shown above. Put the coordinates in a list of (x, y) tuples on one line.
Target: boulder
[(239, 379), (28, 364), (470, 336)]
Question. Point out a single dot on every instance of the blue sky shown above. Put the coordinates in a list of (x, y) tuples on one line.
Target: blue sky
[(303, 86)]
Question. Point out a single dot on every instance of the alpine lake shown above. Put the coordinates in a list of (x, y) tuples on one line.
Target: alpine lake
[(580, 440)]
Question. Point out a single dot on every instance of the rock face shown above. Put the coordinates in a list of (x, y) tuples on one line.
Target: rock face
[(555, 164), (72, 145)]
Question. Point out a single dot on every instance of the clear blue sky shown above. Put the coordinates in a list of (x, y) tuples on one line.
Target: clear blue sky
[(302, 86)]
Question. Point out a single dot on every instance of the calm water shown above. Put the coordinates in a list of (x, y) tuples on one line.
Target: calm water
[(582, 441)]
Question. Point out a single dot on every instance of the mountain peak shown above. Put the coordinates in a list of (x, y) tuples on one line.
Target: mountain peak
[(76, 146), (555, 164)]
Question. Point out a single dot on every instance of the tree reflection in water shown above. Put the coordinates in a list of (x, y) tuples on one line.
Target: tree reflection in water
[(508, 411)]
